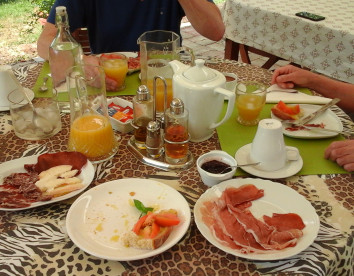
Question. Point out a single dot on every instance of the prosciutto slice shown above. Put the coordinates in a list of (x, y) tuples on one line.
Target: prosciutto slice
[(48, 160), (234, 225), (283, 222)]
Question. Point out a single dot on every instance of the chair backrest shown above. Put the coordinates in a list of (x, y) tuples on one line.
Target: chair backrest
[(81, 36)]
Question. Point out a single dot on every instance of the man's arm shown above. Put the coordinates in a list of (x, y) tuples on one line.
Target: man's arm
[(45, 39), (205, 18)]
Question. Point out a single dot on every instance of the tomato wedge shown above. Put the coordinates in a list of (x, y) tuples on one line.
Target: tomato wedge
[(139, 224), (155, 229), (292, 110), (167, 219)]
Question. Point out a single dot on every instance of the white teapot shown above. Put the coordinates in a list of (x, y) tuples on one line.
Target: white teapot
[(202, 91)]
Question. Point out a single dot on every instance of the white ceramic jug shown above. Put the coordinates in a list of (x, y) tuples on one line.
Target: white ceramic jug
[(202, 91)]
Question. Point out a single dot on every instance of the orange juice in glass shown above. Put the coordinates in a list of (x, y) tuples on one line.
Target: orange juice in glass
[(92, 135), (250, 99), (115, 67), (160, 96)]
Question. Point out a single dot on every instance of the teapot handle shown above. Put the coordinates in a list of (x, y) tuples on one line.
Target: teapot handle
[(230, 96)]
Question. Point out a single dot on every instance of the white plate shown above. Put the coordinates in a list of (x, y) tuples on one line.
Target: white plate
[(16, 166), (277, 198), (242, 156), (99, 218), (28, 91), (329, 118)]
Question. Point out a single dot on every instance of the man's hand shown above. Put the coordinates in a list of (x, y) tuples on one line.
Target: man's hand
[(342, 152)]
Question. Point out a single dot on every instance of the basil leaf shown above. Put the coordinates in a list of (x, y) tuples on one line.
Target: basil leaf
[(140, 206)]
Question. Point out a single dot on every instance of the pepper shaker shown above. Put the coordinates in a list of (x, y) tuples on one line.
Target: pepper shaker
[(154, 141)]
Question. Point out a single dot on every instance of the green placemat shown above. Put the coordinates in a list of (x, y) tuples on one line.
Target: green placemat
[(132, 82), (233, 136)]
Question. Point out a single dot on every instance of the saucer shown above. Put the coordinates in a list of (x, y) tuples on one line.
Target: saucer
[(28, 91), (291, 167)]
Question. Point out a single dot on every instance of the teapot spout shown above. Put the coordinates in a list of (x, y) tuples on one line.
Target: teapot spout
[(178, 67)]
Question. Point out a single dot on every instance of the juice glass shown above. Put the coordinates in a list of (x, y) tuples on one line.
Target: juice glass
[(250, 99), (160, 96), (91, 132), (115, 67)]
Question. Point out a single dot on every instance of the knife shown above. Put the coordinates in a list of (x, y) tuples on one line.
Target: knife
[(317, 112)]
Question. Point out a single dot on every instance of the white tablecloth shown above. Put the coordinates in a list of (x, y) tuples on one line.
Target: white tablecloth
[(271, 25)]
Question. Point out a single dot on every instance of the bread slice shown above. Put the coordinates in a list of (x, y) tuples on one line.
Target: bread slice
[(131, 239)]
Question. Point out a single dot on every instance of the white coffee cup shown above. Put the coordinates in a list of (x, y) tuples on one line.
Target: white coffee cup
[(268, 146), (7, 84)]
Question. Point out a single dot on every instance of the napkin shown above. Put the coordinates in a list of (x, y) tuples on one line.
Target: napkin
[(299, 98)]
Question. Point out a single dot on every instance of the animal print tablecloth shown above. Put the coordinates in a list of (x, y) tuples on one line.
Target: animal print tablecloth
[(35, 241)]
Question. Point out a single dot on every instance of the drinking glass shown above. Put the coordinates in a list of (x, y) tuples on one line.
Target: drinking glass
[(40, 122), (115, 67), (91, 131), (250, 99)]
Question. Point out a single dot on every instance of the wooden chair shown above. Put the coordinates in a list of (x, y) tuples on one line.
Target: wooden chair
[(81, 36), (233, 49)]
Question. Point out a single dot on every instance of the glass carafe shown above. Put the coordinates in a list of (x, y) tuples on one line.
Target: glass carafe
[(91, 132), (157, 48)]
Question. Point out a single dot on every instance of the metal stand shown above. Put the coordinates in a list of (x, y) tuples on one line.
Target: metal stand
[(159, 163)]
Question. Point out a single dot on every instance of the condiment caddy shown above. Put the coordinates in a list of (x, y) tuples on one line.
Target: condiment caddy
[(161, 142)]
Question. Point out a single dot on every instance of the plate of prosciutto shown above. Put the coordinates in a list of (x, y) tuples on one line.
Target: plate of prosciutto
[(256, 219), (38, 180)]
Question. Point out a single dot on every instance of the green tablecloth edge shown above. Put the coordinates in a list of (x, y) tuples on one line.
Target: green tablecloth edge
[(233, 136), (132, 83)]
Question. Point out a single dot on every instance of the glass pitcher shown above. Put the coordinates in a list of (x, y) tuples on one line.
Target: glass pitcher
[(157, 49), (91, 131)]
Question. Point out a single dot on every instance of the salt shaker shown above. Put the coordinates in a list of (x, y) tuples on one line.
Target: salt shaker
[(154, 141), (142, 114), (176, 133)]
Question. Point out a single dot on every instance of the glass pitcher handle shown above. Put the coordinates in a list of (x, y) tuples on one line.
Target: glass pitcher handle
[(190, 52), (81, 93)]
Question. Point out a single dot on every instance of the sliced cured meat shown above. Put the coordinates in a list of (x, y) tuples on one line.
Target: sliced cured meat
[(284, 222), (48, 160), (267, 236), (134, 63), (241, 195), (18, 190), (233, 224)]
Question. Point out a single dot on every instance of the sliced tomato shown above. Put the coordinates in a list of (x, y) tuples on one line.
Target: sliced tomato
[(145, 232), (292, 110), (155, 229), (149, 219), (139, 224), (167, 219)]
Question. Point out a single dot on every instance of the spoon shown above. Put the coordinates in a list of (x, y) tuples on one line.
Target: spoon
[(44, 87), (241, 165)]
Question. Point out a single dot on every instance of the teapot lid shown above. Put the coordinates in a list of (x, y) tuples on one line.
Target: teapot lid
[(199, 72)]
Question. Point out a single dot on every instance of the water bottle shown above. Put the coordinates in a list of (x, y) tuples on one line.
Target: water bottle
[(64, 52)]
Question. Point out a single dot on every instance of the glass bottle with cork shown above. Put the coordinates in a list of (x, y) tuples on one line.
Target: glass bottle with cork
[(176, 133), (64, 52), (143, 113)]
